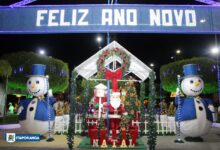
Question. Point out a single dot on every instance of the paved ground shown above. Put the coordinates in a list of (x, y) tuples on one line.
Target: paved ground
[(211, 142)]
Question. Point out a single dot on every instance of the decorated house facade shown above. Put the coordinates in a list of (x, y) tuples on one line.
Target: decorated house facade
[(115, 102)]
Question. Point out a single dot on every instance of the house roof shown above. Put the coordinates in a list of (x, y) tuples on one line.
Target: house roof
[(88, 68)]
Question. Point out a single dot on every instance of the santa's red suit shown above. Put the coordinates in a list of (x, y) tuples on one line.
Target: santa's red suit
[(115, 116), (116, 109)]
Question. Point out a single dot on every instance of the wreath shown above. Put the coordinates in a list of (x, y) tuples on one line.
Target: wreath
[(110, 52)]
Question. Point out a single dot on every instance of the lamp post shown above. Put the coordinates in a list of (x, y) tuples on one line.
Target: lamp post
[(99, 40), (49, 138), (100, 92), (152, 65), (175, 56), (178, 52), (42, 52), (178, 140), (215, 51)]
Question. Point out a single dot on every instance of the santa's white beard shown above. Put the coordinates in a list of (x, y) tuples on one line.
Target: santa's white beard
[(115, 103)]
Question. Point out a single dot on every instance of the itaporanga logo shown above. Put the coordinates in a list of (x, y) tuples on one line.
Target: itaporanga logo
[(13, 137)]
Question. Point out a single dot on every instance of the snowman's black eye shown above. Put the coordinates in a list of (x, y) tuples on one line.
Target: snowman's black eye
[(200, 81), (191, 81), (29, 82), (31, 109), (37, 82)]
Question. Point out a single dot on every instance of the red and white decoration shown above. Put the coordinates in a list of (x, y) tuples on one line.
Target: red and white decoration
[(112, 62)]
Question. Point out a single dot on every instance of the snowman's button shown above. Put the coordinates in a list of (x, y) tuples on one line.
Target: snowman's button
[(31, 109), (200, 108), (32, 102), (198, 102)]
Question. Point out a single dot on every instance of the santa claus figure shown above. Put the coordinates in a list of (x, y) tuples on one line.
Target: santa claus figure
[(116, 109)]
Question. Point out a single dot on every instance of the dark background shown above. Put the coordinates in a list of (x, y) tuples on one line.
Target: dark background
[(76, 48)]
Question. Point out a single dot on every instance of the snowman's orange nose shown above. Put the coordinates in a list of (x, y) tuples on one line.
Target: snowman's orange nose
[(196, 83), (33, 85)]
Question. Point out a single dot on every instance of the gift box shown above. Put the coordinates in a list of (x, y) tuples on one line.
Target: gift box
[(103, 135), (93, 135), (134, 136), (114, 135), (123, 134)]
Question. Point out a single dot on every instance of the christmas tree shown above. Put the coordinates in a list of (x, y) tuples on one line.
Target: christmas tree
[(124, 126), (132, 104), (124, 122)]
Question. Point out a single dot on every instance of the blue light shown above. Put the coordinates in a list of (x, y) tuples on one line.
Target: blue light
[(164, 74), (209, 2), (21, 3), (172, 72)]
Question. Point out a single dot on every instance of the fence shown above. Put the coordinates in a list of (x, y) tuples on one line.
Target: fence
[(78, 123), (62, 123), (164, 126)]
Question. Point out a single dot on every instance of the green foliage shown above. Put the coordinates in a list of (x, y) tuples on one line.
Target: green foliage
[(152, 134), (131, 101), (71, 129), (169, 72), (142, 97), (85, 104), (157, 86), (124, 125), (142, 93), (5, 68), (101, 123), (108, 53), (21, 63)]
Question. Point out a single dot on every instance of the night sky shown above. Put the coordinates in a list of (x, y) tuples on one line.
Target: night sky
[(76, 48)]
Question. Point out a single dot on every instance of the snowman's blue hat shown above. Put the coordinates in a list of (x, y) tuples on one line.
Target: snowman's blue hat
[(38, 70), (190, 70)]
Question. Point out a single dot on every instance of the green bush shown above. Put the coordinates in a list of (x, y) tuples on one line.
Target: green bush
[(208, 72), (21, 63), (5, 68)]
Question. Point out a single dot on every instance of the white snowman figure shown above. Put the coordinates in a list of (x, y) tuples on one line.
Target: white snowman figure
[(195, 112), (34, 113)]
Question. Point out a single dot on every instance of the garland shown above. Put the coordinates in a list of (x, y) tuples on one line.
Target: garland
[(71, 129), (142, 97), (152, 134), (110, 52)]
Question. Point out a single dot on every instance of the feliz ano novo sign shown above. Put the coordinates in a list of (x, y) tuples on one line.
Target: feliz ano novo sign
[(110, 18)]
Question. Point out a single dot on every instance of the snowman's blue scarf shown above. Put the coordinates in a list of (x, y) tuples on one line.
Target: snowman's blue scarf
[(41, 109), (188, 110)]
